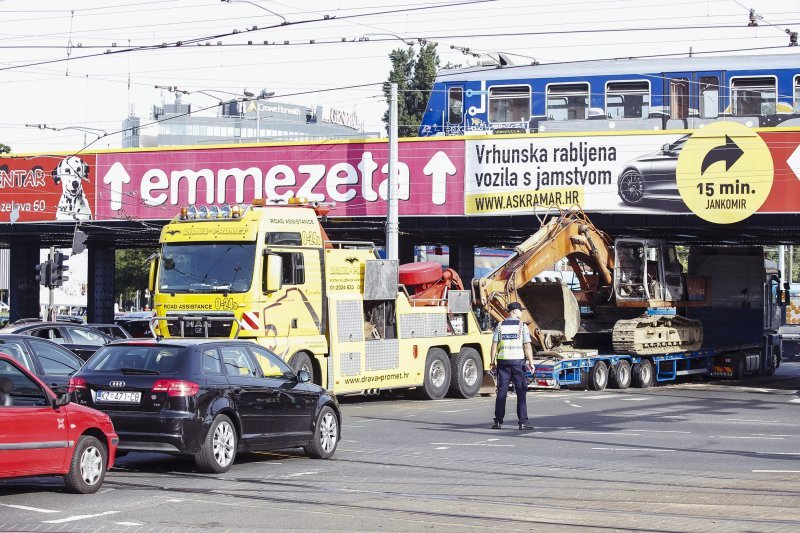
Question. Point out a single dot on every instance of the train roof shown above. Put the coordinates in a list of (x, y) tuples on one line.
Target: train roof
[(621, 66)]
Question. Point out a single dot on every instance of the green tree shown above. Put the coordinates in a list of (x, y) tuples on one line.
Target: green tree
[(5, 149), (132, 270), (414, 74)]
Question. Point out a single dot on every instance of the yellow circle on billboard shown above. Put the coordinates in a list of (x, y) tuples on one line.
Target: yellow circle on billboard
[(724, 172)]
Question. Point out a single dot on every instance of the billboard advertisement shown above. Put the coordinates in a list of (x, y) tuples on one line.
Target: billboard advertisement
[(352, 175), (722, 173), (47, 188)]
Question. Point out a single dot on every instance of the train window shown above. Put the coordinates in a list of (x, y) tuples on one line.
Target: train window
[(455, 105), (509, 104), (754, 96), (709, 97), (628, 99), (797, 94), (679, 98), (568, 101)]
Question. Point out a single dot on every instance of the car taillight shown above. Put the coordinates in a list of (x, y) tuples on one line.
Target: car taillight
[(75, 384), (176, 387)]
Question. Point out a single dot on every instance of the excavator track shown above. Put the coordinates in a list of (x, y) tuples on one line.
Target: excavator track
[(657, 334)]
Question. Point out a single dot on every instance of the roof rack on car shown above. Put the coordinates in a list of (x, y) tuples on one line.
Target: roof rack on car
[(182, 319)]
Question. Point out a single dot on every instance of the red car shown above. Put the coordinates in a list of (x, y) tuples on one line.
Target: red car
[(41, 434)]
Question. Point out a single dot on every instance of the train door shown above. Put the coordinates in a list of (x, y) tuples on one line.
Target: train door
[(708, 95), (454, 117), (676, 101)]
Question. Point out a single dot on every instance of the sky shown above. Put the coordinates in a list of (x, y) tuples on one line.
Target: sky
[(83, 66)]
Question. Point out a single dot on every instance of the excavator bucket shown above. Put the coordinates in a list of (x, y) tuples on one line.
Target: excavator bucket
[(553, 307)]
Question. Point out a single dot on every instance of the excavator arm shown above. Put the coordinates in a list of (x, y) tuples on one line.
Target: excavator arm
[(550, 308)]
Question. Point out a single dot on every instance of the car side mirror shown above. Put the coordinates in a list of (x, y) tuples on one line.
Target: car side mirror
[(61, 401), (303, 376), (272, 273)]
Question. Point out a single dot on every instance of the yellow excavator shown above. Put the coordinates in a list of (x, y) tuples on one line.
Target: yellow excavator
[(635, 285)]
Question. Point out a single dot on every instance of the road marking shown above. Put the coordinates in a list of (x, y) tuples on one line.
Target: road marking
[(633, 399), (778, 453), (298, 474), (634, 449), (556, 427), (657, 431), (488, 444), (778, 471), (26, 508), (796, 400), (604, 433), (453, 411), (352, 426), (756, 421), (77, 517), (128, 524), (174, 500), (442, 448), (738, 437), (596, 397), (768, 435), (575, 405)]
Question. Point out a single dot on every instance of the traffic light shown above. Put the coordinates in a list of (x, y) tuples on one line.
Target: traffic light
[(44, 273), (58, 269)]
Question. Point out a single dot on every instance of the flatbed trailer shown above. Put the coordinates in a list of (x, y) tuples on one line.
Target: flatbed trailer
[(596, 371)]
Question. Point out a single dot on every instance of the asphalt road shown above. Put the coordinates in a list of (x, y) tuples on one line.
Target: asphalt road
[(720, 456)]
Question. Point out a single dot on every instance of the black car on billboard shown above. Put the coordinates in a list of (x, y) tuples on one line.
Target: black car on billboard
[(651, 176), (208, 398)]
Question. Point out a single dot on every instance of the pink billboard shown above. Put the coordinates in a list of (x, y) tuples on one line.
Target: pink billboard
[(353, 176)]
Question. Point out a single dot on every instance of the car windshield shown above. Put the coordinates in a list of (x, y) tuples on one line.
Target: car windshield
[(217, 267), (136, 359)]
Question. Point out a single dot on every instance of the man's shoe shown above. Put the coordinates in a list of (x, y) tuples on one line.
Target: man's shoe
[(526, 427), (497, 425)]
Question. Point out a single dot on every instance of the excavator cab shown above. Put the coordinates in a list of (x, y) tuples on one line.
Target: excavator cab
[(647, 271)]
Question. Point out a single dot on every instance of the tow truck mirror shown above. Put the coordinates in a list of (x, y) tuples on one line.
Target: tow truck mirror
[(273, 273), (303, 376), (151, 279)]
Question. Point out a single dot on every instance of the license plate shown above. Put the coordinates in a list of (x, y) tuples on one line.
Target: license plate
[(118, 396)]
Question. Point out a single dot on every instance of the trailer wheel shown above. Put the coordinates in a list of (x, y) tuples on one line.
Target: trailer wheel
[(437, 376), (643, 374), (740, 368), (466, 372), (598, 376), (621, 375)]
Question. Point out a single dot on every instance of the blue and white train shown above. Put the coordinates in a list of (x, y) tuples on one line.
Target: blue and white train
[(635, 94)]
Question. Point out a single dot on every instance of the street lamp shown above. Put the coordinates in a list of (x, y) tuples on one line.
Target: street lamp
[(284, 23), (84, 129), (263, 94)]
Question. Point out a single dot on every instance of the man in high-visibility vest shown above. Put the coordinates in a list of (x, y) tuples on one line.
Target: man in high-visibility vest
[(510, 347)]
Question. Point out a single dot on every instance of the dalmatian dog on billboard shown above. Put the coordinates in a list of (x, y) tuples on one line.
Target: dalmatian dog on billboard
[(71, 172)]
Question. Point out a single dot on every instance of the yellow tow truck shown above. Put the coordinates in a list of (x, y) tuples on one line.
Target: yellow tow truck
[(334, 309)]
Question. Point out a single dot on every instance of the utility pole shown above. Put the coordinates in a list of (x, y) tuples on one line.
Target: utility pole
[(392, 224), (51, 315), (791, 263), (781, 262)]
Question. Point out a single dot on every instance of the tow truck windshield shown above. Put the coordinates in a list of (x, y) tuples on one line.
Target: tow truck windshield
[(207, 268)]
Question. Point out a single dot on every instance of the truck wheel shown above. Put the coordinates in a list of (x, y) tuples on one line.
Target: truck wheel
[(740, 367), (598, 376), (643, 374), (437, 375), (301, 361), (88, 466), (466, 373), (621, 376), (219, 447)]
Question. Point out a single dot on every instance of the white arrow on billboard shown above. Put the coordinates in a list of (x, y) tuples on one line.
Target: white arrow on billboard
[(114, 178), (439, 167), (794, 162)]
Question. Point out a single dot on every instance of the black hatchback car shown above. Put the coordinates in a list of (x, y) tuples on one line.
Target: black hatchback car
[(208, 398)]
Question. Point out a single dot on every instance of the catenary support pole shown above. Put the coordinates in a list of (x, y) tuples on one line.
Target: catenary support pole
[(392, 224), (782, 263)]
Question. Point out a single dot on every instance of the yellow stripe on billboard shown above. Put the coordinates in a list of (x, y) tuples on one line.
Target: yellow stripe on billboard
[(522, 200)]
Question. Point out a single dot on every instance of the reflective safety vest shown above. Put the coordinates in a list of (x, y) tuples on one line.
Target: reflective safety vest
[(510, 336)]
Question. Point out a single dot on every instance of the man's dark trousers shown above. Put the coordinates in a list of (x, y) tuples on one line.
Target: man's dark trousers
[(507, 371)]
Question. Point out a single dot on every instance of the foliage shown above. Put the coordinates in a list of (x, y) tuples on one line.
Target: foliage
[(132, 272), (414, 75), (4, 148)]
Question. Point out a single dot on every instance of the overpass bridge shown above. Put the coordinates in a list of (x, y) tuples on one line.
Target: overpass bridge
[(729, 185)]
